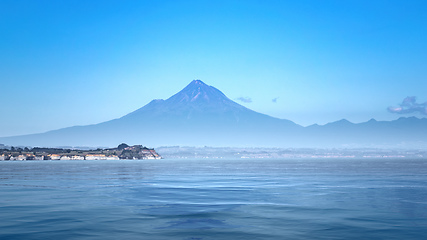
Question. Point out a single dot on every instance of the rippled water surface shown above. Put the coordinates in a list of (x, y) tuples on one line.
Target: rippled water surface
[(214, 199)]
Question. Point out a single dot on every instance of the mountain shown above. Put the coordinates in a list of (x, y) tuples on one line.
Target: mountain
[(401, 133), (198, 115), (201, 115), (203, 106)]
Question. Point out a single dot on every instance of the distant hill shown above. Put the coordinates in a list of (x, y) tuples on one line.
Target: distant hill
[(201, 115)]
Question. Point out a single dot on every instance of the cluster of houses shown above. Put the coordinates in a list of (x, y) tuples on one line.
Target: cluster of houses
[(122, 152), (24, 157)]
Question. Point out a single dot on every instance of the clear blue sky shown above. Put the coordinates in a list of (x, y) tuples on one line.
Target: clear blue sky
[(66, 63)]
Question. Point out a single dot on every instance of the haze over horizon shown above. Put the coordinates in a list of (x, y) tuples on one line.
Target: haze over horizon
[(77, 63)]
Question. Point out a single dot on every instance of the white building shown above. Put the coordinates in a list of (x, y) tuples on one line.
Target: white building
[(76, 157), (95, 157), (54, 157), (65, 158)]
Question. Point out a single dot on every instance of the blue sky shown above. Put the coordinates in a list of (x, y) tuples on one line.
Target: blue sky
[(66, 63)]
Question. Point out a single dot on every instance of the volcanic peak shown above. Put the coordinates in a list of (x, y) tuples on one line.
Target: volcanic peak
[(198, 92)]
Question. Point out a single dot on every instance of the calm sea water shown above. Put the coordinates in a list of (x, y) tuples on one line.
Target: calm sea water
[(214, 199)]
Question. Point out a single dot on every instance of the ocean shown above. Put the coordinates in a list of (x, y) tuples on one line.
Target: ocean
[(214, 199)]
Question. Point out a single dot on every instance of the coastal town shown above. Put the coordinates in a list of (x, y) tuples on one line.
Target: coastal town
[(123, 151)]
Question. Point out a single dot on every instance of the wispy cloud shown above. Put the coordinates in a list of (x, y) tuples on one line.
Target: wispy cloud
[(409, 105), (274, 100), (245, 99)]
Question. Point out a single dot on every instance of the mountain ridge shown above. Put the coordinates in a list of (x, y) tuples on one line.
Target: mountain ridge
[(201, 115)]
